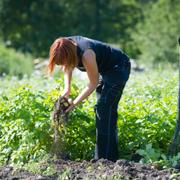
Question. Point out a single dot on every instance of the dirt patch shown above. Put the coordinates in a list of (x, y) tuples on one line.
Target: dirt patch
[(122, 169), (10, 173), (101, 169)]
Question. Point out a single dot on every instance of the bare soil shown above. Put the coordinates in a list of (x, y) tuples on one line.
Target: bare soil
[(101, 169)]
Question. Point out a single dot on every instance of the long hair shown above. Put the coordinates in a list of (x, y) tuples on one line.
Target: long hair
[(62, 52)]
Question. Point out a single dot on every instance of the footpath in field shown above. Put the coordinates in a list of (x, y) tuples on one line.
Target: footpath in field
[(101, 169)]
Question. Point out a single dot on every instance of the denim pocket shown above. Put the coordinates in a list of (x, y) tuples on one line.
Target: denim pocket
[(118, 75)]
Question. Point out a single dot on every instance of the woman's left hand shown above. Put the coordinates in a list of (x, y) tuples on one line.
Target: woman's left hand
[(71, 107)]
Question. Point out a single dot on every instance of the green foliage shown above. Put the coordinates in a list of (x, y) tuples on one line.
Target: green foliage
[(14, 63), (26, 126), (169, 161), (149, 154), (147, 117), (148, 112), (120, 19), (33, 25), (80, 134), (156, 36), (144, 29), (24, 117)]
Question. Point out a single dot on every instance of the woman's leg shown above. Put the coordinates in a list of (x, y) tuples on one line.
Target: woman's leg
[(108, 96), (98, 96), (106, 121)]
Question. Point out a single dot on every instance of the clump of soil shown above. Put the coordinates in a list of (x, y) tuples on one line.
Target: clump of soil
[(101, 169)]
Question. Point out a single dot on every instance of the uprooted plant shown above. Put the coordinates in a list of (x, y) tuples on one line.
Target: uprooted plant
[(59, 119)]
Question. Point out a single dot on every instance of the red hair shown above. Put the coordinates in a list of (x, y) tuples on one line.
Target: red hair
[(62, 52)]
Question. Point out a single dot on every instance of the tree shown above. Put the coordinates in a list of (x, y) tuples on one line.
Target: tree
[(156, 35), (32, 25)]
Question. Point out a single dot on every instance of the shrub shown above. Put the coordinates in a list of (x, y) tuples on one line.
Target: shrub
[(14, 63), (156, 36)]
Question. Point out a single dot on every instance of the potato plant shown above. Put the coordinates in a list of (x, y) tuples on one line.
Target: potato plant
[(147, 115)]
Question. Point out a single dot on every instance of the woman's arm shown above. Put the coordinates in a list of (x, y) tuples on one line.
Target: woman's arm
[(67, 83), (89, 62)]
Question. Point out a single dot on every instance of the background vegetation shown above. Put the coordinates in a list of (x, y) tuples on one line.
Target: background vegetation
[(14, 63), (145, 29)]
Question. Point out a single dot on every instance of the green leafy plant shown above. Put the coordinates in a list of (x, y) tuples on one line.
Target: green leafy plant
[(147, 117), (14, 63), (167, 161), (149, 154)]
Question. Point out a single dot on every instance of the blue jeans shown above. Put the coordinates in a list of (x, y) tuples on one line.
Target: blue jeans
[(108, 94)]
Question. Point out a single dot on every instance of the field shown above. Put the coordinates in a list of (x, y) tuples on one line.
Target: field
[(147, 118)]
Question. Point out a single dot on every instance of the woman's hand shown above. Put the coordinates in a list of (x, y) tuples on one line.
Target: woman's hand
[(71, 107), (67, 83), (66, 93)]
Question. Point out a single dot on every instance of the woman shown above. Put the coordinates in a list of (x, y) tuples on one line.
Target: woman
[(108, 70)]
